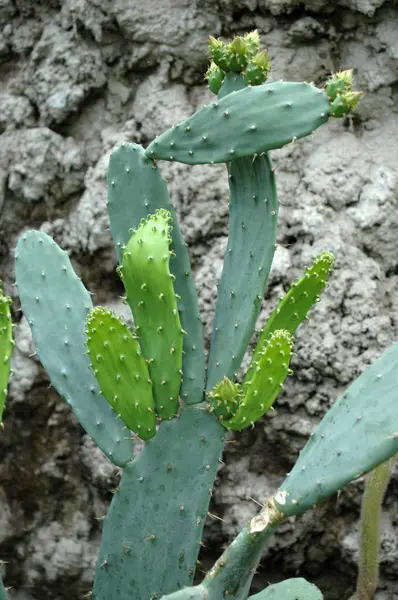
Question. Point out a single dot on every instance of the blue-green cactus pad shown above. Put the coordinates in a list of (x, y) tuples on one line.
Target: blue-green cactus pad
[(359, 432), (290, 589), (247, 261), (246, 122), (56, 304), (152, 532)]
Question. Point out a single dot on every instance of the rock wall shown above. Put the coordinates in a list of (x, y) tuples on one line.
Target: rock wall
[(78, 77)]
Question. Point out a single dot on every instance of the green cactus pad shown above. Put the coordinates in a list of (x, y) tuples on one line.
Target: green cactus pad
[(224, 399), (56, 304), (290, 589), (250, 250), (270, 371), (150, 294), (293, 308), (135, 190), (151, 536), (6, 346), (250, 121), (358, 433), (121, 371)]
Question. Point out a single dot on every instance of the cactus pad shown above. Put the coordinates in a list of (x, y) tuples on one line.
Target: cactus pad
[(121, 371), (250, 121), (6, 346), (293, 308), (151, 536), (56, 304), (150, 294), (358, 433), (250, 250), (290, 589), (269, 372), (136, 189)]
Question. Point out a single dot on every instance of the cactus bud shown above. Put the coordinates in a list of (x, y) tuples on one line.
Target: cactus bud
[(258, 68), (215, 77), (344, 103), (252, 41), (339, 83), (224, 399)]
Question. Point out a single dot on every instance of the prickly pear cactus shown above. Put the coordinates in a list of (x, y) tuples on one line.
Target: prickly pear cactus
[(6, 346), (152, 533)]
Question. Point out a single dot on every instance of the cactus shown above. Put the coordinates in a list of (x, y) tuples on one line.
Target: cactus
[(6, 346), (152, 533)]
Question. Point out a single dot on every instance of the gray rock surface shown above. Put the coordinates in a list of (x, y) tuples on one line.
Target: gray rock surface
[(79, 77)]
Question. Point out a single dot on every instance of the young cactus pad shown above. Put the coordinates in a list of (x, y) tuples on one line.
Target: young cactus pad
[(56, 304), (246, 122), (293, 308), (6, 346), (290, 589), (121, 371), (270, 371), (358, 433), (137, 189), (150, 294)]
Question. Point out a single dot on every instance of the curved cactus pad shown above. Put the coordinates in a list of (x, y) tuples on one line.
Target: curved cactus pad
[(359, 432), (150, 294), (247, 261), (270, 371), (136, 189), (293, 308), (290, 589), (121, 371), (56, 304), (6, 346), (250, 121)]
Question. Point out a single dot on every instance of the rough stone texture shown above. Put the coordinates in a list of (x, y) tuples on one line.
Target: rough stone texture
[(77, 78)]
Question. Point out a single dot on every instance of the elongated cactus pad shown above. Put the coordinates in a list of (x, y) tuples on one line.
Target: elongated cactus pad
[(290, 589), (151, 536), (135, 190), (150, 294), (247, 261), (56, 304), (270, 371), (247, 122), (293, 308), (121, 371), (6, 346), (359, 432)]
